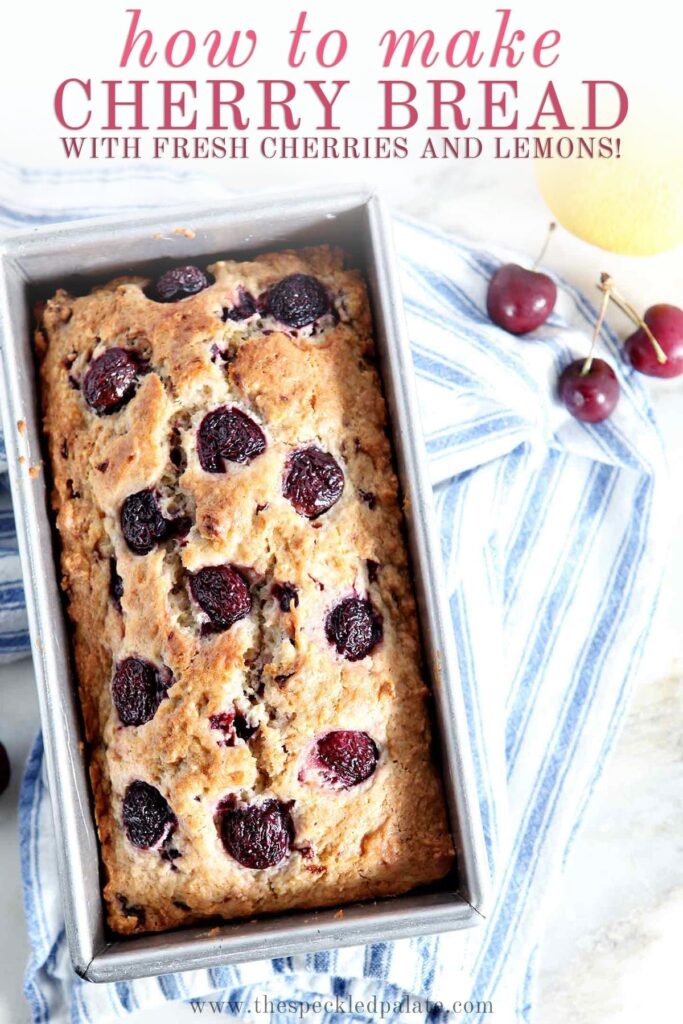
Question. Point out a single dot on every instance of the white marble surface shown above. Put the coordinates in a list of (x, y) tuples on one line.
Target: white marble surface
[(608, 951)]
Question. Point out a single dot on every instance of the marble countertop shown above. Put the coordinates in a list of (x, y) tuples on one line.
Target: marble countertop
[(608, 948)]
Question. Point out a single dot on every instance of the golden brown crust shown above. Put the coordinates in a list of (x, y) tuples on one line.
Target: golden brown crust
[(319, 387)]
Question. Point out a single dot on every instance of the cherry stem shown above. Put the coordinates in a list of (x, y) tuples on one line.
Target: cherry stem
[(551, 228), (626, 307), (607, 291)]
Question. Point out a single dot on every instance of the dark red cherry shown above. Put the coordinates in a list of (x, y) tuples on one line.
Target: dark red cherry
[(590, 397), (346, 757), (5, 769), (297, 300), (179, 283), (258, 836), (222, 593), (111, 380), (354, 627), (228, 434), (519, 300), (143, 523), (147, 817), (286, 596), (245, 308), (666, 323), (313, 481), (137, 691)]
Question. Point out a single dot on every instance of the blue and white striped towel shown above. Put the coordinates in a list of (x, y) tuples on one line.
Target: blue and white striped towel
[(549, 532)]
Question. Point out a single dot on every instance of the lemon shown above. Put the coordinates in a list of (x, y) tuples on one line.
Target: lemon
[(632, 204)]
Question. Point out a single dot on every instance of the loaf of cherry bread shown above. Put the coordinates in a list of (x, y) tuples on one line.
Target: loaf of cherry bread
[(244, 626)]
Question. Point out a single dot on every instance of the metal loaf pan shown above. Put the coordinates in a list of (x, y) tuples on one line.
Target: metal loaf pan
[(77, 255)]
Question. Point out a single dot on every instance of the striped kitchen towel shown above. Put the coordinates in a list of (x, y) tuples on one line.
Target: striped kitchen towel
[(552, 546)]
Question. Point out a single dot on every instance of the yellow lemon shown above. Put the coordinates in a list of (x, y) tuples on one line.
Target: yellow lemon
[(631, 204)]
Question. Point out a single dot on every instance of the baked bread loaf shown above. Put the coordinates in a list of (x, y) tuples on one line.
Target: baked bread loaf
[(244, 627)]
